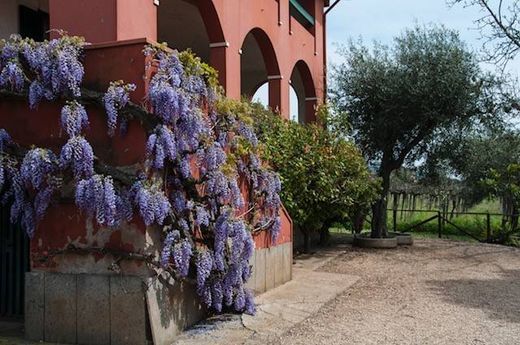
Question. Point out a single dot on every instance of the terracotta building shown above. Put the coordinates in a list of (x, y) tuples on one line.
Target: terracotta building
[(76, 298)]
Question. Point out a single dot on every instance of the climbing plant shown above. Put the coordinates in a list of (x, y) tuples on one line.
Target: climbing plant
[(202, 181)]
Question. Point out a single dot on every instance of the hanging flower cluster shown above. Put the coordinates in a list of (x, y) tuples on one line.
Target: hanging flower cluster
[(115, 99), (34, 187), (202, 181)]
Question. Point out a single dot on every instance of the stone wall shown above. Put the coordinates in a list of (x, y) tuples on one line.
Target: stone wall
[(271, 267), (76, 308)]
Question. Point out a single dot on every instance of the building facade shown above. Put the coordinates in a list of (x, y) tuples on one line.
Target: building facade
[(250, 43), (75, 298)]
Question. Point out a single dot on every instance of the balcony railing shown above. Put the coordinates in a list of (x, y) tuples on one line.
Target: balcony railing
[(301, 14)]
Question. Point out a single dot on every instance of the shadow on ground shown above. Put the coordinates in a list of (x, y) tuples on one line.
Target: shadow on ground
[(499, 298)]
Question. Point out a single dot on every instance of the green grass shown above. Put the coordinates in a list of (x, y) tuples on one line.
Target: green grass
[(476, 225)]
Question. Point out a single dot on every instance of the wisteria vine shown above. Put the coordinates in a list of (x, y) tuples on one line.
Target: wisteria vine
[(202, 182)]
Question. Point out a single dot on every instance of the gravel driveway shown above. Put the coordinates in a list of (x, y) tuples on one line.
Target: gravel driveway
[(436, 292)]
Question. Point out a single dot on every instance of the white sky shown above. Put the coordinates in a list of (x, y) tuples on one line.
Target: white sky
[(381, 20)]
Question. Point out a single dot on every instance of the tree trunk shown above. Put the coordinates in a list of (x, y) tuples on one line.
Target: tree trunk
[(306, 242), (324, 237), (379, 228), (358, 220)]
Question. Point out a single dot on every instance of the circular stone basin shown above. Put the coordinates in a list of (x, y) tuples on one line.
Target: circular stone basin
[(403, 239), (368, 242)]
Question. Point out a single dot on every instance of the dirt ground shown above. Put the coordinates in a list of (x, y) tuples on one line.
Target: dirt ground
[(436, 292)]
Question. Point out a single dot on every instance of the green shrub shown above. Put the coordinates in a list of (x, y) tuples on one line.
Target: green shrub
[(324, 176)]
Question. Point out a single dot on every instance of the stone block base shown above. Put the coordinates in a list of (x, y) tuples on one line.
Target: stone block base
[(131, 310), (104, 309), (272, 267)]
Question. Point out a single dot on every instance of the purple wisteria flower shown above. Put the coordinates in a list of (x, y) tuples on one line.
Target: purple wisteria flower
[(161, 146), (152, 203), (204, 264), (181, 257), (74, 118), (169, 241), (57, 66), (12, 77), (115, 99), (247, 133), (78, 155), (36, 168), (5, 139)]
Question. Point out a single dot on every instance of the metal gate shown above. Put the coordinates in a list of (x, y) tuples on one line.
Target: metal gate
[(14, 262)]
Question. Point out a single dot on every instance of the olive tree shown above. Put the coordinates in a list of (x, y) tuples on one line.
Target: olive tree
[(399, 100)]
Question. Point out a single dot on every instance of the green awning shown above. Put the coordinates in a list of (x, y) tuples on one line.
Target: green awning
[(299, 12)]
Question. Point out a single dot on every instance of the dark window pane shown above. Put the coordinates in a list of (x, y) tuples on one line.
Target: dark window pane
[(33, 24)]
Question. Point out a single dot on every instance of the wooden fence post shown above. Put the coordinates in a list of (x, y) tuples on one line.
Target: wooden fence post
[(488, 227), (394, 214), (439, 223)]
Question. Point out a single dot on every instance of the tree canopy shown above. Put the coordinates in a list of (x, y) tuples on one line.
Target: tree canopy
[(402, 100), (324, 176)]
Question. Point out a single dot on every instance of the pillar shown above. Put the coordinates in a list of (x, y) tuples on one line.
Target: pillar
[(310, 109), (279, 94)]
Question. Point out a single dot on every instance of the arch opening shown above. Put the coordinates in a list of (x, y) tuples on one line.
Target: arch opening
[(303, 86), (259, 71), (189, 24)]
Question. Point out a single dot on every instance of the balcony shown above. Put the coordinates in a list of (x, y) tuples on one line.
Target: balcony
[(298, 11)]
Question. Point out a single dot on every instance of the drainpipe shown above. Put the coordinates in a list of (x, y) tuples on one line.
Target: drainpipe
[(325, 47)]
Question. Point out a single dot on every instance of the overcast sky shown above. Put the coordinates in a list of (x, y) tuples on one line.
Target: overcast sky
[(382, 20)]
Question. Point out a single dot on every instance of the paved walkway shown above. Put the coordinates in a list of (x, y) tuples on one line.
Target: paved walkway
[(436, 292), (278, 310)]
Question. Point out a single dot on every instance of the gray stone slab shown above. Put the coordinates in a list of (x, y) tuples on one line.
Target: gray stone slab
[(194, 310), (127, 311), (60, 308), (260, 259), (278, 265), (165, 301), (93, 309), (34, 305), (287, 261), (270, 262), (251, 283)]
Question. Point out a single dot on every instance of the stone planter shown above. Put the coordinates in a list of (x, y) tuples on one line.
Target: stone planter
[(362, 241), (403, 239)]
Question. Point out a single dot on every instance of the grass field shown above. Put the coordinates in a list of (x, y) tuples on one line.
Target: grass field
[(475, 225)]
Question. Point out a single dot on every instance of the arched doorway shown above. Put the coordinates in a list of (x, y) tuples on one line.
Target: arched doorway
[(258, 66), (303, 85), (195, 25)]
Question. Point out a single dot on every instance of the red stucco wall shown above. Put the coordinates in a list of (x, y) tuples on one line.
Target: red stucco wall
[(63, 225), (227, 21)]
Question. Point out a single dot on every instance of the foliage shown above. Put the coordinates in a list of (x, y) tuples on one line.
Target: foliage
[(498, 26), (401, 101), (323, 175), (197, 161), (505, 184)]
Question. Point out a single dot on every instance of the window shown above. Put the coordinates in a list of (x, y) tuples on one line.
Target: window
[(33, 23)]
